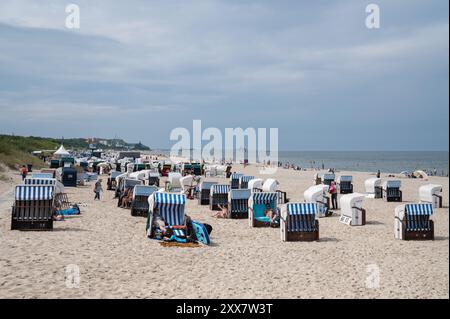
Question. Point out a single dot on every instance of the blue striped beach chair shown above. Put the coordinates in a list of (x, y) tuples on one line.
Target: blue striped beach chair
[(170, 207), (299, 222), (391, 191), (412, 222), (256, 207), (243, 181), (218, 196), (234, 180), (238, 203), (345, 184), (327, 178), (204, 192), (139, 204), (33, 207)]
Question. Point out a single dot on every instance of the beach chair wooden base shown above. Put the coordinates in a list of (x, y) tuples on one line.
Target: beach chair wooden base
[(418, 235), (139, 212), (257, 223), (238, 215), (303, 236)]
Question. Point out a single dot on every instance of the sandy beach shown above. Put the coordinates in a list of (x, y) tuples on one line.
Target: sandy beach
[(116, 260)]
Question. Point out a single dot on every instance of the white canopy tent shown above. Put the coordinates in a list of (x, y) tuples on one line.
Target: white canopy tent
[(61, 152)]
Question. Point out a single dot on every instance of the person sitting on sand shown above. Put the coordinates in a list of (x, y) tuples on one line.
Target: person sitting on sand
[(223, 213), (127, 198)]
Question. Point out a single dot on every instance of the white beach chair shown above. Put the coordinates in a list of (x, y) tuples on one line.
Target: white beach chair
[(431, 193), (412, 222), (352, 212)]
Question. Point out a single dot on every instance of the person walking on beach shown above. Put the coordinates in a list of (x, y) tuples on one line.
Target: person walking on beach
[(378, 174), (97, 189), (333, 192), (23, 171)]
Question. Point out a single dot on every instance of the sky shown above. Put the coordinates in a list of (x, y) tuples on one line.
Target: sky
[(312, 69)]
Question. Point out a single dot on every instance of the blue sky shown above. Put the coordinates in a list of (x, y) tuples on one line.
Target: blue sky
[(312, 69)]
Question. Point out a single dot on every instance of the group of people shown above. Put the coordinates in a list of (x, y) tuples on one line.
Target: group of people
[(272, 214)]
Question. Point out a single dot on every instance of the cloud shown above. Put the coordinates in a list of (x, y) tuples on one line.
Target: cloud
[(229, 63)]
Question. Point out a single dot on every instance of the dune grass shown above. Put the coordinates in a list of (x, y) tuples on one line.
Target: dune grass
[(15, 151)]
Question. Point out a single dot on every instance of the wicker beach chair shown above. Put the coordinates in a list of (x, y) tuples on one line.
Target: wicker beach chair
[(139, 204), (238, 203), (33, 207), (243, 181), (234, 180), (412, 222), (218, 196), (111, 182), (352, 212), (204, 192), (391, 191), (373, 187), (317, 194), (257, 204), (299, 222), (170, 207), (327, 178), (431, 193), (345, 184)]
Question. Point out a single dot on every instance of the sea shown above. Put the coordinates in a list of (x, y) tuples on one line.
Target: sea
[(369, 161)]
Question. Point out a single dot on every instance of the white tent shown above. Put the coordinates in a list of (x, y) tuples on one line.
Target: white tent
[(61, 152)]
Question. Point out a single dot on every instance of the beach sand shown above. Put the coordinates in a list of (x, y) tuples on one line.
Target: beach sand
[(116, 260)]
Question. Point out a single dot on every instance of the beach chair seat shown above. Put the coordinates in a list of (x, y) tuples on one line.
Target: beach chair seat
[(352, 212), (218, 196), (33, 207), (345, 184), (412, 222), (391, 191), (257, 205), (238, 203), (234, 180), (204, 192), (431, 193), (299, 222)]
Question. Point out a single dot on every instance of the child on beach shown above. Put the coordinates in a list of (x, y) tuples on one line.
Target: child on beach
[(23, 172)]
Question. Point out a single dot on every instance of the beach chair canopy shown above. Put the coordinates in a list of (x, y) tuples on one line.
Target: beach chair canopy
[(328, 177), (315, 193), (235, 176), (143, 190), (206, 185), (345, 178), (220, 189), (154, 174), (371, 183), (429, 191), (300, 216), (174, 179), (39, 181), (392, 184), (270, 185), (34, 192), (350, 201), (42, 175), (245, 178), (263, 198), (170, 207), (239, 194), (128, 182), (255, 183)]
